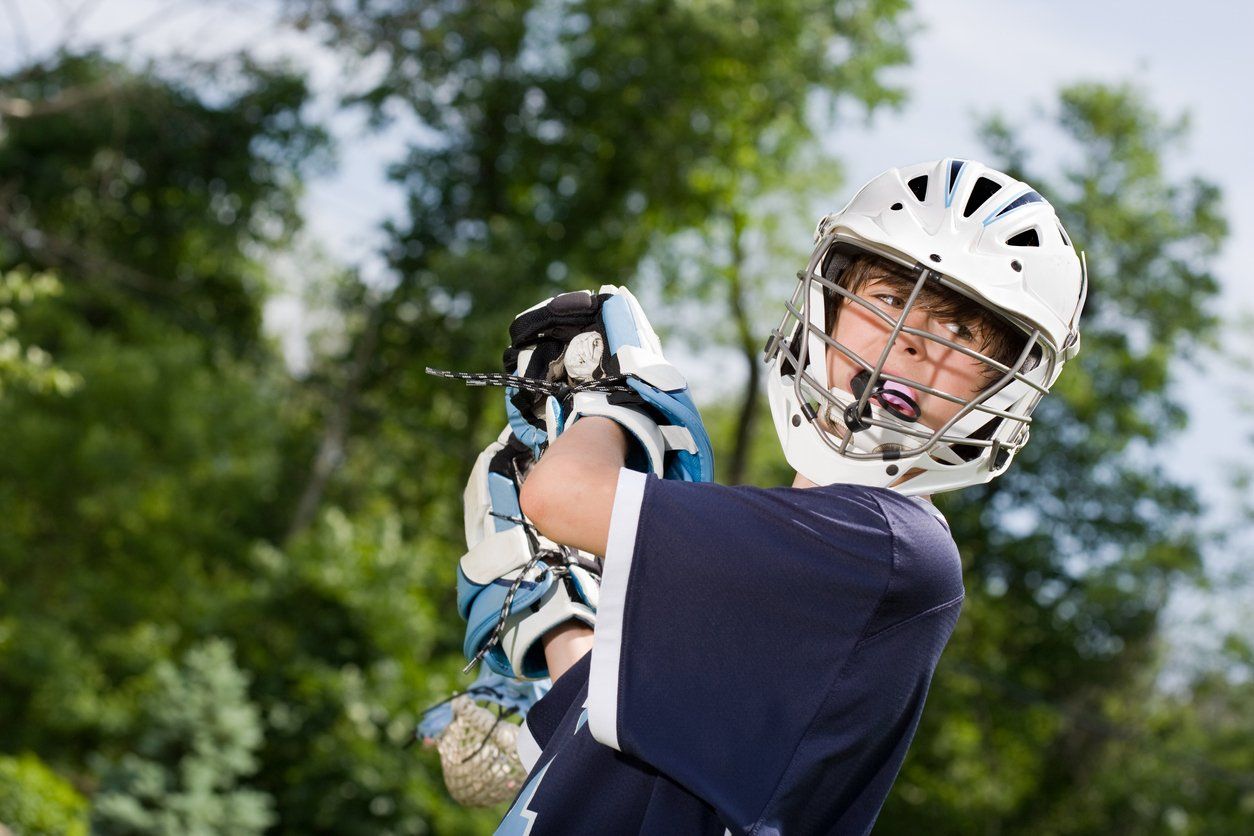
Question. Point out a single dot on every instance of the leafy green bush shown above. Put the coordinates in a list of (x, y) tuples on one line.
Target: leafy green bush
[(35, 801), (198, 737)]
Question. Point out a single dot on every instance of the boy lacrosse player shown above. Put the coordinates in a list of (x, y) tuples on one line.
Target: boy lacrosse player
[(761, 656)]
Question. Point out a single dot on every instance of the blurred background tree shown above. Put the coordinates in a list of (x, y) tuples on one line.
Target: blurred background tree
[(226, 586), (36, 801), (196, 735), (26, 365)]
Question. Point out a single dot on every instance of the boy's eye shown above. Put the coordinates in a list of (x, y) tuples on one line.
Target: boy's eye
[(892, 300), (960, 331)]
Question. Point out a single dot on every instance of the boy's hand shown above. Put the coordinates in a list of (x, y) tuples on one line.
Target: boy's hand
[(513, 585), (579, 339)]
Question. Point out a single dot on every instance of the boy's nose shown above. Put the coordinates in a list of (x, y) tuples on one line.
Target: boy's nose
[(914, 345)]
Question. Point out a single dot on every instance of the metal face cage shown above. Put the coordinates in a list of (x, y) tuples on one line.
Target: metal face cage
[(993, 423)]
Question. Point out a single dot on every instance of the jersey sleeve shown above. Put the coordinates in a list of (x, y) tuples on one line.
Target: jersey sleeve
[(725, 617), (546, 715)]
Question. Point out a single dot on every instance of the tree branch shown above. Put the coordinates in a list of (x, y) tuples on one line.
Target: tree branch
[(58, 251), (15, 108)]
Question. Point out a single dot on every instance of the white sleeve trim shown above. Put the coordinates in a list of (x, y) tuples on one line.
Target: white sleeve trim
[(528, 749), (608, 636)]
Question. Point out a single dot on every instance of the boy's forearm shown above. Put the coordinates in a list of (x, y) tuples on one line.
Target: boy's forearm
[(565, 645), (591, 443), (569, 494)]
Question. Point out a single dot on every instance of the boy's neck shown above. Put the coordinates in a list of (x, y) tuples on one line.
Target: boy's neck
[(800, 481)]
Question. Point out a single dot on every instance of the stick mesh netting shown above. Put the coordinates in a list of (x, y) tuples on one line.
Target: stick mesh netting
[(479, 754)]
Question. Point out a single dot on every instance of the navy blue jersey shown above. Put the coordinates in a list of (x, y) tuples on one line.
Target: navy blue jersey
[(760, 663)]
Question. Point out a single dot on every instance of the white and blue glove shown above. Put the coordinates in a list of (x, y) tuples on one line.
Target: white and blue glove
[(590, 354), (509, 695), (582, 340), (513, 584)]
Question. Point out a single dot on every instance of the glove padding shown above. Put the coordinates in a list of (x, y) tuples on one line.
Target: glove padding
[(579, 337), (550, 584)]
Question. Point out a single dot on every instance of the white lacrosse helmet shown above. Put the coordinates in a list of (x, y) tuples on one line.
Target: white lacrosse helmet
[(969, 229)]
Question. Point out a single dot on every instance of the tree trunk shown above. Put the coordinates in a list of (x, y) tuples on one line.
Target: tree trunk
[(747, 417), (335, 431)]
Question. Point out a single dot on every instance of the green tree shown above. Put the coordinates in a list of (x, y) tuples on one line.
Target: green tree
[(1070, 557), (149, 197), (35, 801), (725, 273), (146, 512), (132, 504), (1179, 761), (350, 615), (27, 365), (132, 198), (196, 736)]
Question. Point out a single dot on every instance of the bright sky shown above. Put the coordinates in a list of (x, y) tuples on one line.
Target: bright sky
[(971, 57)]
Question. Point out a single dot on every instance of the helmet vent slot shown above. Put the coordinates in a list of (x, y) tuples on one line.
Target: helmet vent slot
[(951, 180), (984, 189), (1063, 233), (1022, 200), (919, 186), (955, 166), (1026, 238)]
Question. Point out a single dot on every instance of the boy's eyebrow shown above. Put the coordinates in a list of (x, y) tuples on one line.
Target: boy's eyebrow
[(901, 282), (929, 293)]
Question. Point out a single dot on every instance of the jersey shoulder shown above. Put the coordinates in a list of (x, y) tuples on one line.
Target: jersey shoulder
[(926, 570)]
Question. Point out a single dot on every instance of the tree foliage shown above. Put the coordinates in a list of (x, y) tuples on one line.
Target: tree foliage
[(35, 801), (195, 737), (27, 365)]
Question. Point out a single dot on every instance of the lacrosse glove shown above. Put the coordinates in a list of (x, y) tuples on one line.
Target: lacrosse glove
[(514, 585), (586, 342)]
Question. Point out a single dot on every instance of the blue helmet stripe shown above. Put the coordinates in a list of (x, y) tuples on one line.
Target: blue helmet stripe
[(952, 175), (1018, 201)]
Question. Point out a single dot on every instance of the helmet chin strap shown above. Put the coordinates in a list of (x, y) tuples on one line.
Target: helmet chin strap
[(855, 432), (854, 418)]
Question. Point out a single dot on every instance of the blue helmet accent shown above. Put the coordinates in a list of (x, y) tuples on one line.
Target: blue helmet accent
[(1018, 201), (953, 173)]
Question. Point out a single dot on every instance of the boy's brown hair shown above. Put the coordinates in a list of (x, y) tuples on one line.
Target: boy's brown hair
[(995, 337)]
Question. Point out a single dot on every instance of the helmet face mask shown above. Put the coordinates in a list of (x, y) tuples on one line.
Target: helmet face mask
[(903, 392)]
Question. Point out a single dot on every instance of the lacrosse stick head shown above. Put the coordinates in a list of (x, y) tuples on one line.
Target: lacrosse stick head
[(477, 740), (479, 755)]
